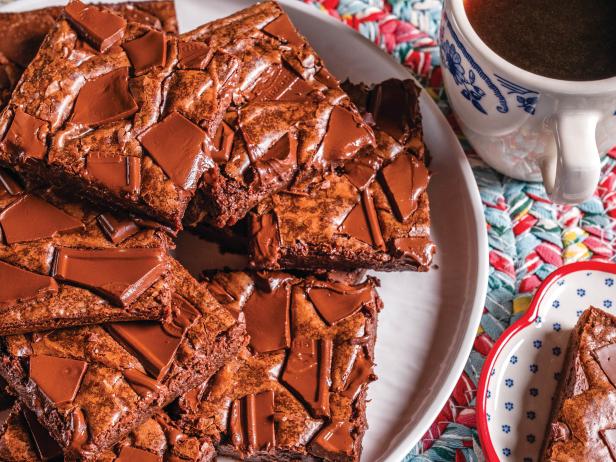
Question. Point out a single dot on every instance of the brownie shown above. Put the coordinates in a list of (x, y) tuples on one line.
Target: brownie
[(65, 264), (91, 386), (289, 117), (298, 391), (372, 213), (583, 421), (158, 439), (118, 112), (22, 34)]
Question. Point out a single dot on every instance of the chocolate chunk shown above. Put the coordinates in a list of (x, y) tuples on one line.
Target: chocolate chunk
[(79, 427), (222, 143), (362, 170), (101, 28), (326, 78), (307, 371), (141, 383), (418, 249), (404, 180), (19, 284), (606, 357), (283, 29), (334, 438), (335, 301), (281, 84), (118, 173), (373, 220), (152, 224), (391, 109), (31, 218), (280, 161), (117, 230), (155, 343), (11, 187), (147, 51), (121, 275), (220, 294), (267, 319), (147, 340), (131, 454), (361, 374), (264, 230), (194, 55), (609, 437), (104, 99), (177, 145), (46, 447), (26, 136), (58, 378), (251, 423), (356, 224), (363, 223), (345, 135)]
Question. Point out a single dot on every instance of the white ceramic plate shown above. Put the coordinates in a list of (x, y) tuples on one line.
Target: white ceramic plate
[(430, 320), (520, 375)]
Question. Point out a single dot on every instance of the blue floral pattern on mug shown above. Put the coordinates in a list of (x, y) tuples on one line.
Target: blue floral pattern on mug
[(469, 75), (452, 60), (527, 99)]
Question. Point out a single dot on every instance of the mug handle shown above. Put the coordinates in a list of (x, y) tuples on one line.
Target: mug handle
[(571, 173)]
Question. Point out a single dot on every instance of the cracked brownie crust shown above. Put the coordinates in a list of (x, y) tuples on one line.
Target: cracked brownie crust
[(373, 212), (23, 439), (288, 120), (22, 34), (91, 386), (65, 264), (102, 105), (298, 392)]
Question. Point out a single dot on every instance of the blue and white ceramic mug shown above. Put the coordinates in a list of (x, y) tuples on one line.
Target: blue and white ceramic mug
[(522, 124)]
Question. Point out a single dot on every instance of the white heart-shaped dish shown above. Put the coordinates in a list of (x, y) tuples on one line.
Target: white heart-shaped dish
[(521, 372)]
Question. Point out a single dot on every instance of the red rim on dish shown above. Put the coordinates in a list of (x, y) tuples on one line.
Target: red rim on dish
[(526, 320)]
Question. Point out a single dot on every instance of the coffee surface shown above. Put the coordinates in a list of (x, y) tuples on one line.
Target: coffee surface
[(562, 39)]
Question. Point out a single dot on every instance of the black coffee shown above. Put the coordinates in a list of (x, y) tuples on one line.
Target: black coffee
[(563, 39)]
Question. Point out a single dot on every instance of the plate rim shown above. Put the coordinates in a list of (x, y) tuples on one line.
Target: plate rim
[(406, 439), (527, 320)]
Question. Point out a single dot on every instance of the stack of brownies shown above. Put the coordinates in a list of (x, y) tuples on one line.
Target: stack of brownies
[(115, 132)]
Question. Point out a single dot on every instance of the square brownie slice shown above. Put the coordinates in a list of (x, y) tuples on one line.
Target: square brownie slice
[(298, 392), (24, 439), (289, 118), (65, 264), (22, 34), (158, 439), (91, 386), (583, 421), (118, 112), (373, 212)]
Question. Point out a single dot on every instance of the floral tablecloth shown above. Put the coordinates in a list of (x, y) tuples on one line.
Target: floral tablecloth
[(529, 236)]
